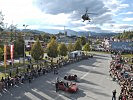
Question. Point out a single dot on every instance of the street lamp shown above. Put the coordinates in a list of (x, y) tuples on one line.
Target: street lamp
[(24, 44)]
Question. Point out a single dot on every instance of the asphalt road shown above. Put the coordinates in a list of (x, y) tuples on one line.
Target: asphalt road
[(94, 83)]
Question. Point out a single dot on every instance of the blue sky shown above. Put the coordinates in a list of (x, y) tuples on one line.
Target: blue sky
[(125, 15), (112, 15)]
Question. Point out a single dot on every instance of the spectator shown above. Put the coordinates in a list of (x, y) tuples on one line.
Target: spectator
[(114, 95)]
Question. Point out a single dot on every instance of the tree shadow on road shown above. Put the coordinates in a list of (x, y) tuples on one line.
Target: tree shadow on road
[(104, 58), (88, 82), (41, 83), (96, 72), (88, 70), (100, 93), (95, 91), (72, 96)]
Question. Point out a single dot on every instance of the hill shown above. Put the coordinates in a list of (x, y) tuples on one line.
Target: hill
[(69, 32)]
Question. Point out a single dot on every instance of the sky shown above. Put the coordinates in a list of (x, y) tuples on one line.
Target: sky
[(111, 15)]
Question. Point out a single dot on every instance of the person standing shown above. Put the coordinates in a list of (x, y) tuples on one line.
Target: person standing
[(56, 86), (10, 74), (120, 96), (114, 95)]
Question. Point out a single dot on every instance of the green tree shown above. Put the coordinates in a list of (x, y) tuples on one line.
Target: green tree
[(46, 37), (19, 46), (125, 35), (77, 45), (1, 22), (70, 47), (1, 54), (86, 47), (52, 49), (62, 49), (37, 52), (83, 40), (98, 42), (53, 37)]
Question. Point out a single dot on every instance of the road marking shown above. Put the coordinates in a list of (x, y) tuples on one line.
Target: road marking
[(84, 75), (31, 96), (42, 94), (64, 97)]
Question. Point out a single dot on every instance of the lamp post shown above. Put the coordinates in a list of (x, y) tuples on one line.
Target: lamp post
[(24, 43)]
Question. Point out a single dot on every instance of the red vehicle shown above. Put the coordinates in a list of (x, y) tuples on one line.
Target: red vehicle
[(70, 77), (72, 87)]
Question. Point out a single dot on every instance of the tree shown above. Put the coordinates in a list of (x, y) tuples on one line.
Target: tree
[(77, 45), (46, 37), (70, 47), (83, 40), (37, 52), (62, 49), (125, 35), (19, 46), (52, 49), (53, 37), (1, 54), (86, 47), (1, 22)]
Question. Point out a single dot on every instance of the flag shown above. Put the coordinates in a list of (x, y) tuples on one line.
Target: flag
[(5, 54), (12, 52)]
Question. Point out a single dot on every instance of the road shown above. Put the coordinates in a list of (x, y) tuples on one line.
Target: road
[(94, 83)]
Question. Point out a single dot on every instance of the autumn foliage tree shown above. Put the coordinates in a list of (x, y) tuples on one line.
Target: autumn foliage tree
[(19, 46), (83, 40), (86, 47), (62, 49), (52, 49), (37, 52), (77, 45), (70, 47), (1, 54)]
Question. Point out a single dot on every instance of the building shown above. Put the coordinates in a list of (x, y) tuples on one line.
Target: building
[(29, 43)]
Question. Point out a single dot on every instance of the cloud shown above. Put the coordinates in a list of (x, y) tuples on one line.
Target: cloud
[(126, 27), (127, 13), (97, 29), (76, 8), (117, 27), (115, 5), (128, 19), (39, 14), (65, 6)]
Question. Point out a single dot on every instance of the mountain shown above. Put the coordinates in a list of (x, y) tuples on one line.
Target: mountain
[(56, 31), (32, 31), (78, 33), (69, 32), (93, 34), (51, 31)]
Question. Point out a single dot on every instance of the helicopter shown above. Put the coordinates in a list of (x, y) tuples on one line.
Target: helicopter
[(86, 16)]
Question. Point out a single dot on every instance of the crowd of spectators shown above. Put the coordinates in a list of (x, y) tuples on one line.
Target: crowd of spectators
[(33, 72), (122, 73)]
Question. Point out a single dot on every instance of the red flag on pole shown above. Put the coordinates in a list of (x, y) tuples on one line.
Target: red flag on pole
[(12, 52)]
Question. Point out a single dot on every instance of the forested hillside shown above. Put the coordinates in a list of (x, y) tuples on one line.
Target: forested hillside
[(125, 35)]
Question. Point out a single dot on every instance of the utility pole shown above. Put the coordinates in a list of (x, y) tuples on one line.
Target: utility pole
[(24, 43), (65, 33)]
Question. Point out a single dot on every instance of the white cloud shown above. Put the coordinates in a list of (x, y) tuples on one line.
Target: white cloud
[(117, 27), (62, 13), (115, 5), (128, 19), (127, 13), (23, 12)]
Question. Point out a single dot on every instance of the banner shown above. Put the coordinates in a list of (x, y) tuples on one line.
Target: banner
[(5, 54), (12, 52)]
